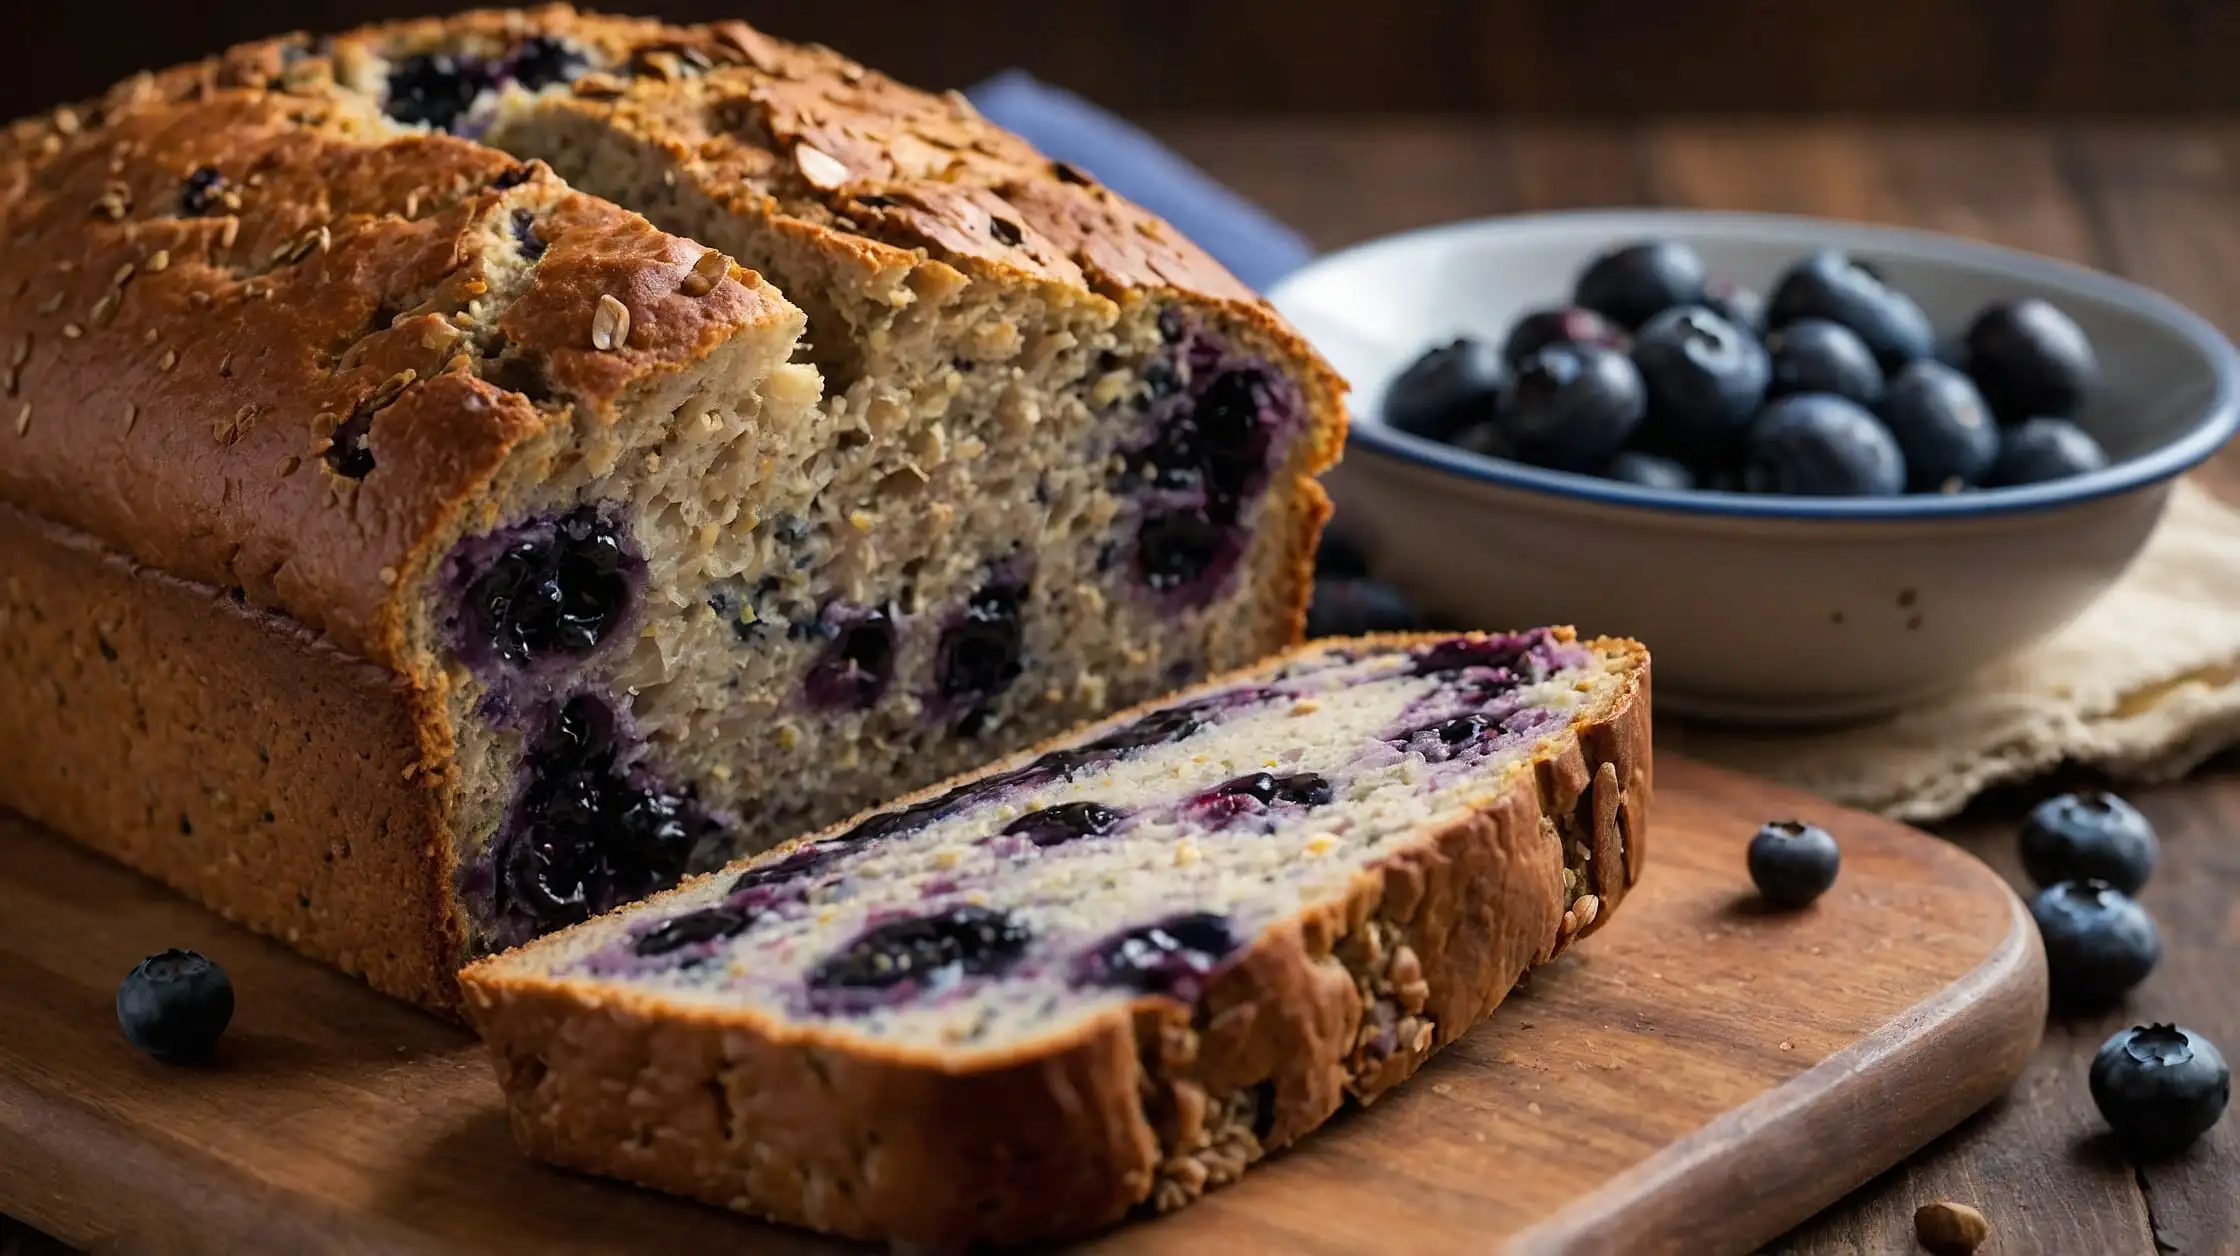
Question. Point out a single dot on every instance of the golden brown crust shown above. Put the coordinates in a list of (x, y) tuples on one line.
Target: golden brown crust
[(1145, 1107)]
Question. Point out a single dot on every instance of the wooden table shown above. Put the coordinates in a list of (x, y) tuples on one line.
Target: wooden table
[(2152, 201)]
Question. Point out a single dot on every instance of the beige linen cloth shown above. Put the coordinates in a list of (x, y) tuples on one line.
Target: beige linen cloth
[(2144, 686)]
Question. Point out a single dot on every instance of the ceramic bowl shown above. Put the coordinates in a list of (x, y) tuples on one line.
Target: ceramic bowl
[(1758, 609)]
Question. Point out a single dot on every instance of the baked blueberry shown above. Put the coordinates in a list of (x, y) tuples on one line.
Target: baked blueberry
[(2030, 360), (1572, 406), (2159, 1087), (1231, 437), (435, 88), (1177, 549), (1704, 378), (1631, 285), (1336, 555), (1352, 607), (525, 235), (553, 592), (1173, 956), (1449, 388), (1632, 466), (1737, 304), (807, 861), (201, 190), (980, 653), (543, 60), (1066, 822), (709, 924), (1305, 789), (855, 667), (2099, 943), (933, 950), (1792, 863), (1156, 729), (1569, 324), (1813, 355), (1820, 445), (1941, 425), (174, 1005), (2037, 450), (2091, 835), (1829, 285)]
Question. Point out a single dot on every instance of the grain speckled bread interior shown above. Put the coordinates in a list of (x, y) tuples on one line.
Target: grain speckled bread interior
[(410, 548), (1105, 975)]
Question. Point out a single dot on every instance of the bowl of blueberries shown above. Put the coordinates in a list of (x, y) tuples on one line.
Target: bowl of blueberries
[(1824, 469)]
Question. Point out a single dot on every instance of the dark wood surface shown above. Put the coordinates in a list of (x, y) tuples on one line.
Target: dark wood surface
[(1606, 57), (1695, 1042)]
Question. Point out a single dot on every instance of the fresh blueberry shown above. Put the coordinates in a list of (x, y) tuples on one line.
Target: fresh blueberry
[(1177, 549), (2092, 835), (1631, 285), (709, 924), (174, 1005), (2160, 1087), (1631, 466), (1352, 608), (1172, 957), (1704, 376), (555, 591), (1815, 355), (1738, 305), (1572, 406), (856, 665), (1568, 324), (979, 655), (1941, 425), (1793, 863), (1829, 285), (1449, 388), (435, 88), (1066, 822), (543, 60), (1337, 555), (2037, 450), (2030, 360), (2099, 943), (961, 941), (1820, 445)]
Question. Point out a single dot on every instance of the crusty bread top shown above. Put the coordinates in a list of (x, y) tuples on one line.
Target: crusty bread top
[(173, 378)]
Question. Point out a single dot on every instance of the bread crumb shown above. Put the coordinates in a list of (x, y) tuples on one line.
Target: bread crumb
[(1950, 1229), (1186, 853), (1322, 844)]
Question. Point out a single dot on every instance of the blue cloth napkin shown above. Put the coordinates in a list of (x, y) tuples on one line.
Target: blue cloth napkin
[(1240, 235)]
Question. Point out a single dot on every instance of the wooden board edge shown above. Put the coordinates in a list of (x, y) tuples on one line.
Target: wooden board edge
[(1774, 1158)]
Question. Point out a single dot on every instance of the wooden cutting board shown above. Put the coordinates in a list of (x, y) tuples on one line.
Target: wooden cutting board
[(1696, 1078)]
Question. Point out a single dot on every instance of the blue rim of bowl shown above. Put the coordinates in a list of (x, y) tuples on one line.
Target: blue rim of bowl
[(2164, 462)]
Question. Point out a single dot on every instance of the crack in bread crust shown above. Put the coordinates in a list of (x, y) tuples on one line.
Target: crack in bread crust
[(1139, 1110)]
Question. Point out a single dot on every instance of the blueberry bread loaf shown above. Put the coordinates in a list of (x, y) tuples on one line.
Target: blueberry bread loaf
[(1105, 977), (410, 548)]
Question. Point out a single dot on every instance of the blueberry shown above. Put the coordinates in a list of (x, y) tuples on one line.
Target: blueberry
[(1172, 957), (1230, 436), (1567, 324), (1815, 355), (709, 924), (2094, 835), (1704, 377), (2160, 1087), (555, 592), (1572, 406), (1445, 739), (435, 88), (1631, 466), (350, 448), (1829, 285), (1793, 863), (1941, 425), (852, 672), (1446, 390), (1457, 655), (201, 190), (543, 60), (1306, 789), (1353, 607), (1159, 728), (2030, 360), (979, 655), (1820, 445), (2037, 450), (1066, 822), (1177, 549), (1738, 305), (174, 1005), (2099, 943), (1633, 284), (803, 861), (525, 235), (961, 941), (1336, 555)]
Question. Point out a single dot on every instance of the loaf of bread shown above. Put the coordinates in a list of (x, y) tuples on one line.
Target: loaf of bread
[(410, 548), (1105, 977)]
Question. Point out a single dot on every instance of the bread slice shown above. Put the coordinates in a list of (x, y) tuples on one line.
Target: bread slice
[(453, 554), (1105, 976)]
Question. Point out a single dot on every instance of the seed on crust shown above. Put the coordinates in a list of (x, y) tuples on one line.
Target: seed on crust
[(23, 418), (823, 170), (610, 326), (705, 274)]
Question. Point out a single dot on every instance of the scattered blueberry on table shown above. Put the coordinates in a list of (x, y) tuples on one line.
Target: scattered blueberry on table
[(2160, 1087), (1834, 385), (2089, 835), (174, 1006), (2099, 943), (1793, 863)]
